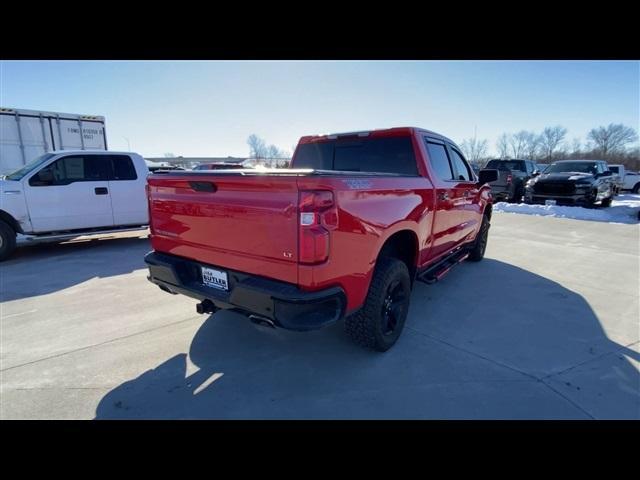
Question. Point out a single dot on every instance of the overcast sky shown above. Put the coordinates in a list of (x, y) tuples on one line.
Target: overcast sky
[(210, 108)]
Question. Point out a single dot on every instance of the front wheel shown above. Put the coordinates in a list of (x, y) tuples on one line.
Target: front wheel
[(636, 188), (606, 202), (378, 324), (480, 245), (7, 240)]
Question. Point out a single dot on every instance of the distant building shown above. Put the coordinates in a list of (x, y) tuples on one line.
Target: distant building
[(190, 162)]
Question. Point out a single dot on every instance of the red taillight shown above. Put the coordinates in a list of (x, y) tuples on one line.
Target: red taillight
[(509, 178), (318, 215)]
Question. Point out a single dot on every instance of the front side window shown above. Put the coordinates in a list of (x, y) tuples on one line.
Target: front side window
[(439, 161), (72, 169), (462, 169)]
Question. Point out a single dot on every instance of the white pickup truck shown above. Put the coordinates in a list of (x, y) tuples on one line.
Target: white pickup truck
[(627, 180), (66, 194)]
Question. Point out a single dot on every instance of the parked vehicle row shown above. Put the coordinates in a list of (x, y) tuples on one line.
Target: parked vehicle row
[(344, 233)]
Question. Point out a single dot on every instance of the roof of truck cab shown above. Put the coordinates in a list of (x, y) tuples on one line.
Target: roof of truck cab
[(382, 132), (91, 152)]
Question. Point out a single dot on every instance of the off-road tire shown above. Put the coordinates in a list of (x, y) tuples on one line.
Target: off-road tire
[(606, 202), (7, 241), (480, 245), (636, 188), (366, 327)]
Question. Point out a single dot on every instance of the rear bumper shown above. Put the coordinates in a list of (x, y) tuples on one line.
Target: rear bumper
[(501, 192), (283, 303)]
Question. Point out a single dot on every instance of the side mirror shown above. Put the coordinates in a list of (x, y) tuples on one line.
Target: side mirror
[(487, 175), (607, 173), (535, 173)]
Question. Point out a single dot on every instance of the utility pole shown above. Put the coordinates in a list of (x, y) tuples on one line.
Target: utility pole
[(128, 143)]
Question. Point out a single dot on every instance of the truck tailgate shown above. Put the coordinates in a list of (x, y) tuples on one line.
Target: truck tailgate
[(244, 223)]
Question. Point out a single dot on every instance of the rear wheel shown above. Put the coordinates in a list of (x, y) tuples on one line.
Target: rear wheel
[(378, 324), (480, 245), (636, 188), (517, 195), (7, 240)]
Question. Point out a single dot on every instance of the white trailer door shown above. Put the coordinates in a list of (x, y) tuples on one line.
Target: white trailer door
[(22, 138), (70, 193), (66, 134)]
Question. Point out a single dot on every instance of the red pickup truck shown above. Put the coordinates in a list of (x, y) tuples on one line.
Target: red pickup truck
[(342, 234)]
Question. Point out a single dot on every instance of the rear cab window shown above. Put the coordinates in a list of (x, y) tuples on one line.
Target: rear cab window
[(123, 168), (393, 155)]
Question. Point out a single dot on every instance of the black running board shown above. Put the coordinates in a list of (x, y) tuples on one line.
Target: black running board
[(435, 272)]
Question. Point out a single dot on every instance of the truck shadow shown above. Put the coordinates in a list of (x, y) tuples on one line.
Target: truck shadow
[(534, 356), (28, 273)]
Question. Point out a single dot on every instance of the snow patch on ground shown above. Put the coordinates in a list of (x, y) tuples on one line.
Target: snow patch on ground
[(623, 209)]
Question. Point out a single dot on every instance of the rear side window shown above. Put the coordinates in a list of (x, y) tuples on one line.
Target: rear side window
[(439, 161), (377, 155), (123, 168), (615, 169)]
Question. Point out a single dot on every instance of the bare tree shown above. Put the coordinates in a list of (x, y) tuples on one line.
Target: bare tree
[(518, 143), (532, 145), (169, 155), (576, 148), (551, 139), (475, 150), (257, 147), (612, 139), (503, 146)]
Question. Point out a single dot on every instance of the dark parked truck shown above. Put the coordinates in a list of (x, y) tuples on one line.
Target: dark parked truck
[(512, 177), (343, 234), (572, 182)]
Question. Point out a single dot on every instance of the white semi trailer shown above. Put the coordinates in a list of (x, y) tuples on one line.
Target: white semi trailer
[(27, 134)]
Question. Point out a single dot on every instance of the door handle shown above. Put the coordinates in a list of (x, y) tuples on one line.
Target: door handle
[(101, 190)]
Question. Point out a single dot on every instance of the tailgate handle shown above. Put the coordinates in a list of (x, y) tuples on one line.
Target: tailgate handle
[(203, 186)]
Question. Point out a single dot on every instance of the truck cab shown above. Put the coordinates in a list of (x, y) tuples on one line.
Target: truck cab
[(71, 193)]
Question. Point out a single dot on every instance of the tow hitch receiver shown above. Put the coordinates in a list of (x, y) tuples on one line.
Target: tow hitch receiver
[(206, 306)]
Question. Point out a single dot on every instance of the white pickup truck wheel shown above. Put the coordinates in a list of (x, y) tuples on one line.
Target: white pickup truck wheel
[(7, 240)]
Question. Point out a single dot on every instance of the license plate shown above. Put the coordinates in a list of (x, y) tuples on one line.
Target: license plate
[(549, 202), (215, 278)]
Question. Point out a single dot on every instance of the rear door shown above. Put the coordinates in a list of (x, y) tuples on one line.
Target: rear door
[(128, 196), (70, 193)]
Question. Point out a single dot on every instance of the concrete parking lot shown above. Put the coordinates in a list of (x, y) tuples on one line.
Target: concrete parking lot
[(546, 327)]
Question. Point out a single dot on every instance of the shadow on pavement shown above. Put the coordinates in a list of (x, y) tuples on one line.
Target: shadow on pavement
[(489, 358), (29, 272)]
